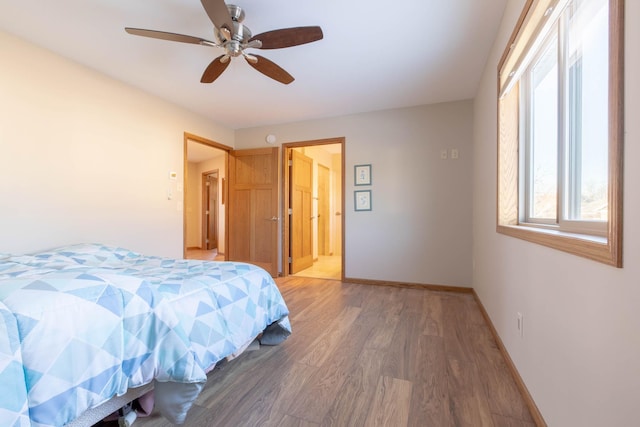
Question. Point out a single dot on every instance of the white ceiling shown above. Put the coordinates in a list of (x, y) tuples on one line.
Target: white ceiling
[(375, 55)]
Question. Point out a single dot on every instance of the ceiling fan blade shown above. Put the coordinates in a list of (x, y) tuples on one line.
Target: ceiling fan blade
[(168, 36), (214, 69), (287, 37), (219, 14), (270, 69)]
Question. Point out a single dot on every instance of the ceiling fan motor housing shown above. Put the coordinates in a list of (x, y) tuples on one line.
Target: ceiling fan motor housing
[(241, 33)]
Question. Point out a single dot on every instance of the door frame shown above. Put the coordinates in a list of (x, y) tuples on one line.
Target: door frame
[(324, 220), (286, 189), (198, 139)]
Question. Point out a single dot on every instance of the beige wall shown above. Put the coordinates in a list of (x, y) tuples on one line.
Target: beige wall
[(84, 158), (54, 194), (419, 230), (581, 347)]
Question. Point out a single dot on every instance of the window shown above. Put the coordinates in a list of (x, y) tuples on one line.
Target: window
[(560, 128)]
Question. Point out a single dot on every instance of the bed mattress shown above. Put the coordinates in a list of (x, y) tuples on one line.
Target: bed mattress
[(84, 323)]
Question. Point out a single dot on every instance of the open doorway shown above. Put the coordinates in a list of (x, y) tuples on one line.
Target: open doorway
[(204, 205), (210, 210), (313, 230)]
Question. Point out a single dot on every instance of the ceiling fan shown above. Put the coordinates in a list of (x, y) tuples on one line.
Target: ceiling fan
[(234, 37)]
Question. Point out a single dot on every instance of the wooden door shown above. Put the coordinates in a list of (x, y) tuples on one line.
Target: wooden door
[(324, 216), (301, 212), (212, 212), (253, 207)]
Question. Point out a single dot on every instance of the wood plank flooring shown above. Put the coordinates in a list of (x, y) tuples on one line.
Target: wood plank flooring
[(325, 267), (203, 254), (364, 355)]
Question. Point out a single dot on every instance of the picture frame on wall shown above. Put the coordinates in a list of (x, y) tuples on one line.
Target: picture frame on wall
[(362, 174), (362, 200)]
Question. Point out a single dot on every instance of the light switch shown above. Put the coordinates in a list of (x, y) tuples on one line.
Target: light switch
[(454, 153)]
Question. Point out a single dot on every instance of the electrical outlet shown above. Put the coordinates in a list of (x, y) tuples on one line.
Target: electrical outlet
[(444, 154), (520, 324), (454, 153)]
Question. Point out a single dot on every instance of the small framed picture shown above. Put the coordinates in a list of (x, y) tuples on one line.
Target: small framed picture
[(362, 200), (362, 174)]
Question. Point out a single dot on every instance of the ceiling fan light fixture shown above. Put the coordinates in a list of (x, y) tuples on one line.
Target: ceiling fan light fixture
[(233, 48), (251, 58), (254, 44), (223, 34)]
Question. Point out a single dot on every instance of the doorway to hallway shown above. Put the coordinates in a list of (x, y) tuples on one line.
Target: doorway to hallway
[(313, 226), (205, 169)]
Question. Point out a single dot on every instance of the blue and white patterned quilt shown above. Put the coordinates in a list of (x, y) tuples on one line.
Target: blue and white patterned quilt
[(81, 324)]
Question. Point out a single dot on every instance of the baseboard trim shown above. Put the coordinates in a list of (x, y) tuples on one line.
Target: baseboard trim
[(531, 404), (429, 287)]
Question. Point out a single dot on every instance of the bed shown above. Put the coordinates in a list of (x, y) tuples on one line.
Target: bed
[(84, 326)]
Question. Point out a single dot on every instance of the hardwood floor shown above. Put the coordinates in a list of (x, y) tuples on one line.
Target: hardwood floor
[(364, 355), (325, 267), (205, 255)]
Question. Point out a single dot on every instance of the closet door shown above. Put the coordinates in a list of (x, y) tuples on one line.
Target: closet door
[(253, 207)]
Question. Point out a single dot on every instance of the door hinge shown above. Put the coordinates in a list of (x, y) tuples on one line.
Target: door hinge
[(290, 260), (290, 162), (290, 211)]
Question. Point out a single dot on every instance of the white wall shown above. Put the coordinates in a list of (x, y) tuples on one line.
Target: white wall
[(84, 158), (419, 230), (580, 355)]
